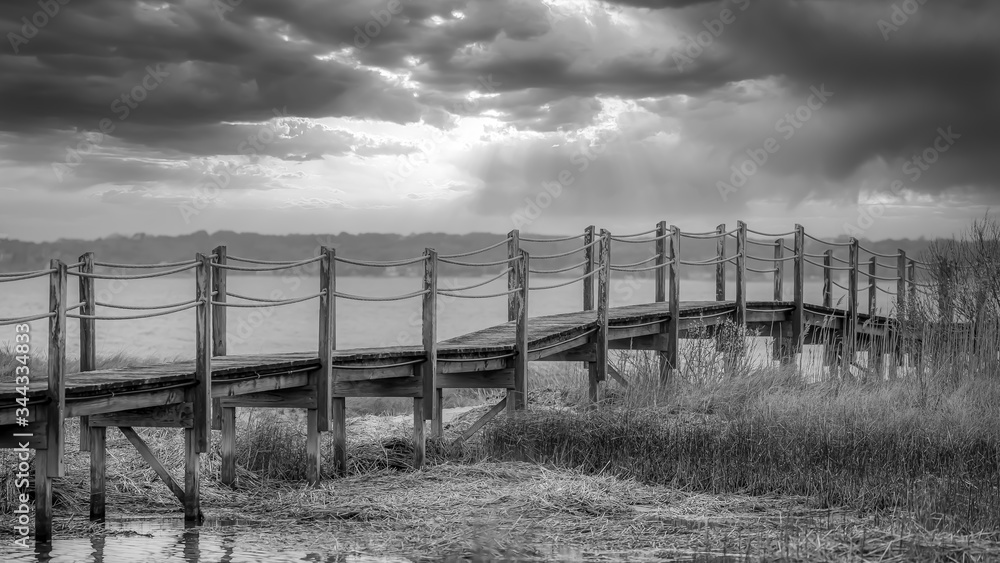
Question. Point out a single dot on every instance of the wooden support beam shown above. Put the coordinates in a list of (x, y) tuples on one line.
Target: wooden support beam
[(419, 440), (617, 376), (296, 398), (513, 251), (720, 268), (192, 476), (98, 468), (314, 453), (228, 444), (43, 497), (490, 415), (782, 348), (219, 317), (150, 457), (872, 287), (828, 278), (338, 430), (519, 394), (901, 302), (851, 332), (591, 254), (798, 291), (600, 338), (496, 379), (741, 274), (180, 415), (201, 392), (56, 381), (88, 332), (324, 377), (674, 301), (779, 269), (662, 257), (428, 330)]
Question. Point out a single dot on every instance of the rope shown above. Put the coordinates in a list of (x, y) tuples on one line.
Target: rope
[(646, 269), (841, 260), (842, 244), (775, 235), (24, 275), (268, 268), (472, 264), (266, 302), (501, 294), (769, 271), (393, 298), (922, 266), (19, 320), (470, 253), (567, 253), (880, 278), (838, 285), (634, 264), (710, 262), (384, 366), (925, 285), (557, 239), (873, 253), (559, 270), (132, 276), (760, 243), (161, 265), (480, 284), (144, 307), (708, 235), (833, 268), (501, 357), (637, 241), (759, 259), (886, 291), (810, 255), (133, 317), (75, 307), (71, 266), (574, 280), (255, 261), (881, 265), (651, 231), (383, 264)]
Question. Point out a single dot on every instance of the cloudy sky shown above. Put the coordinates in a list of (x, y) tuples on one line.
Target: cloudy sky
[(485, 115)]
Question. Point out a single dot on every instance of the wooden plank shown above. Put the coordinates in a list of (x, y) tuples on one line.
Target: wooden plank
[(447, 367), (228, 443), (614, 373), (662, 256), (741, 273), (325, 376), (583, 340), (192, 476), (586, 354), (673, 327), (169, 416), (338, 429), (398, 387), (150, 458), (88, 331), (108, 404), (98, 468), (219, 321), (490, 415), (496, 379), (374, 372), (428, 334), (201, 393), (235, 388), (519, 392), (513, 251), (851, 330), (314, 453), (296, 398), (35, 435), (419, 440), (798, 291), (56, 382)]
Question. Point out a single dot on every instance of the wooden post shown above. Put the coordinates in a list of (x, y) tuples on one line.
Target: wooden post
[(673, 327), (872, 288), (55, 424), (433, 409), (588, 286), (827, 278), (228, 445), (513, 249), (516, 397), (603, 299), (851, 334), (720, 268), (662, 256), (901, 302), (198, 437), (419, 439), (780, 351), (741, 273), (798, 291), (43, 498), (88, 334), (327, 337), (219, 315), (98, 459), (911, 277)]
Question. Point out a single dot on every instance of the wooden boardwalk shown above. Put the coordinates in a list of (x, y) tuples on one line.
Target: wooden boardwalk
[(204, 393)]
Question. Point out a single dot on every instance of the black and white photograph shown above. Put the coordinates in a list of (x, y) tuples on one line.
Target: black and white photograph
[(410, 281)]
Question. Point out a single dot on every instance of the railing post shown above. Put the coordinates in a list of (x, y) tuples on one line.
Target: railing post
[(516, 397), (828, 278), (513, 250), (662, 256), (219, 314), (851, 333), (798, 291), (674, 299), (197, 438), (603, 296), (779, 269), (49, 462), (741, 273), (720, 268), (911, 277), (432, 394), (88, 335), (590, 258), (901, 302), (872, 288)]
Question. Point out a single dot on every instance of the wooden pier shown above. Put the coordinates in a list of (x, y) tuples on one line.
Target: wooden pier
[(201, 395)]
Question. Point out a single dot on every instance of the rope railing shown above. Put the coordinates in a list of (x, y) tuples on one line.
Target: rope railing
[(381, 264), (258, 302), (596, 241), (841, 260), (134, 317), (709, 234), (28, 319), (24, 275), (143, 307), (390, 298), (828, 243), (482, 283), (767, 271), (772, 235), (879, 254), (558, 270), (633, 235), (634, 264), (833, 268), (478, 251), (555, 239), (880, 278), (271, 268), (483, 296), (884, 290), (476, 264), (645, 269), (616, 238), (147, 266), (838, 285), (567, 282), (148, 275), (257, 261), (767, 244), (710, 262)]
